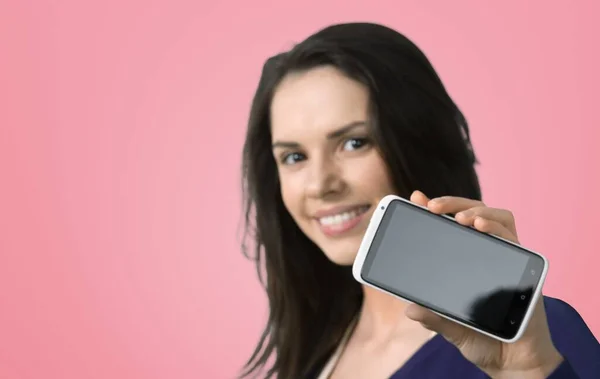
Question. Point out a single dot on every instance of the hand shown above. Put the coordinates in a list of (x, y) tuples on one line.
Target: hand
[(534, 354)]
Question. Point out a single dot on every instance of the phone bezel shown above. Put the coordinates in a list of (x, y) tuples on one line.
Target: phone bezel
[(369, 236)]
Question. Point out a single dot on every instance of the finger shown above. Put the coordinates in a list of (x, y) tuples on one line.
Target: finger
[(453, 332), (452, 204), (495, 228), (419, 198), (503, 216)]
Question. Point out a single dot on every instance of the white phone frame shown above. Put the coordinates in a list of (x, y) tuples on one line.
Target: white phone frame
[(367, 241)]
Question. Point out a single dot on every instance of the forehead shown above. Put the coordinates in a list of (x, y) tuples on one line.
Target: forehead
[(316, 102)]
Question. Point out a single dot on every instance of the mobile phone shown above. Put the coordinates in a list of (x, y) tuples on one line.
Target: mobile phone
[(481, 281)]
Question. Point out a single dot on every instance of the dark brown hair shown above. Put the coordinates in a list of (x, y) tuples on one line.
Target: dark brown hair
[(424, 140)]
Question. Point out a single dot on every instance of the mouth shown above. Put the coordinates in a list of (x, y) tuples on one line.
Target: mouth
[(340, 223)]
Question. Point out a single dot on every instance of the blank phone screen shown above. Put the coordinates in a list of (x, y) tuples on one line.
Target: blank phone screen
[(455, 270)]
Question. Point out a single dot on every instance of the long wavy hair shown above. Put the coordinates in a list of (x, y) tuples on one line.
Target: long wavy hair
[(424, 139)]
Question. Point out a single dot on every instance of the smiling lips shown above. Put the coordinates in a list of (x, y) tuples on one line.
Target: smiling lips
[(335, 224)]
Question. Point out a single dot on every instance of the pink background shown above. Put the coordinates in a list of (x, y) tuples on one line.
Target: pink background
[(121, 126)]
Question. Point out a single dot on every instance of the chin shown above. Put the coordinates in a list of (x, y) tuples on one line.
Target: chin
[(341, 256), (343, 261)]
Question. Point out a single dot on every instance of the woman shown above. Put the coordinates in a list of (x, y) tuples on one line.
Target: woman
[(351, 114)]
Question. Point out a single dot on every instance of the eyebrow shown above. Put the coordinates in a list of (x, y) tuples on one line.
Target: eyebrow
[(332, 135)]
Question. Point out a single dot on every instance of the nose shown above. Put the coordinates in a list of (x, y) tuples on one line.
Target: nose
[(324, 178)]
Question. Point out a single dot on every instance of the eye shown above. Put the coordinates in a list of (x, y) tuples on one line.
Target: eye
[(291, 158), (355, 143)]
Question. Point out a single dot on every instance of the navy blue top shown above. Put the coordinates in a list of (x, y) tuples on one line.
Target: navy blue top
[(438, 358)]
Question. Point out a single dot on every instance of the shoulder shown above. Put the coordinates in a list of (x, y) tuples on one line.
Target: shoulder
[(572, 337), (562, 316), (565, 321)]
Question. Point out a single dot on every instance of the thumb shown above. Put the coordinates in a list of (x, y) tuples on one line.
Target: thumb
[(451, 331)]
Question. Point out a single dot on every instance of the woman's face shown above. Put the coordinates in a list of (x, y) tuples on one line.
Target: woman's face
[(331, 174)]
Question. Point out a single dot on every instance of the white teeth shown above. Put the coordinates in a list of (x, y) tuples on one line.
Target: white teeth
[(340, 218)]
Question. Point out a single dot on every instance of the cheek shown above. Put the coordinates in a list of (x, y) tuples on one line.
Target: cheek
[(291, 193), (371, 177)]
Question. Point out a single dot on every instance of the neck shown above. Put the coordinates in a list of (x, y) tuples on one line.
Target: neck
[(383, 315)]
